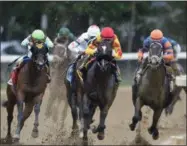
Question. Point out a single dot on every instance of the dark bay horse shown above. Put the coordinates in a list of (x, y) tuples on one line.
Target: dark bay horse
[(29, 89), (153, 89), (99, 89), (74, 92)]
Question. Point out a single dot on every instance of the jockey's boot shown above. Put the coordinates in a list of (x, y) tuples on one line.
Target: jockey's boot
[(171, 77), (117, 79), (117, 75), (175, 68)]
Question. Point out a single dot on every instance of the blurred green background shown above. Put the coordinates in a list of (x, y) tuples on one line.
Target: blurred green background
[(132, 22)]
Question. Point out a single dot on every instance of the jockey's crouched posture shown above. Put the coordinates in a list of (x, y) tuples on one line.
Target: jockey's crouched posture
[(78, 46), (107, 33), (37, 36), (81, 43), (157, 36), (64, 36)]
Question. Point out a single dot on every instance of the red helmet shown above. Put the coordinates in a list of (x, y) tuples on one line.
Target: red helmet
[(107, 32)]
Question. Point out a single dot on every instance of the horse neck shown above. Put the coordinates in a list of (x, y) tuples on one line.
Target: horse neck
[(31, 71), (103, 76), (156, 77)]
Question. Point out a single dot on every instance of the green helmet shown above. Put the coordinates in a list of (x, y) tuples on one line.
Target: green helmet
[(71, 36), (64, 32), (38, 35)]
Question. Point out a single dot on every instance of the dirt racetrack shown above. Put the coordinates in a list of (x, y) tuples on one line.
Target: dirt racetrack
[(117, 130)]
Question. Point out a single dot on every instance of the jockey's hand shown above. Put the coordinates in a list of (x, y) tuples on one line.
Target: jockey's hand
[(30, 44)]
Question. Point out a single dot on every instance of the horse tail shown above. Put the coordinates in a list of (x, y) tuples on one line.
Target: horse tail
[(4, 103)]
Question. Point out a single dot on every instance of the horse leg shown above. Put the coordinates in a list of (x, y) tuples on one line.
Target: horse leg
[(153, 129), (74, 113), (20, 101), (86, 115), (101, 126), (134, 93), (27, 111), (10, 110), (92, 111), (81, 120), (137, 115), (37, 106)]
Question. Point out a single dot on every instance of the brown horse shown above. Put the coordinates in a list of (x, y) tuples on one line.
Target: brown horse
[(74, 92), (29, 89)]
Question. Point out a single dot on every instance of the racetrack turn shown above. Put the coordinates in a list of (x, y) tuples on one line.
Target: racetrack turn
[(52, 131)]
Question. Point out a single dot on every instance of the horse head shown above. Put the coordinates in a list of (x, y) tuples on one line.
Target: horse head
[(39, 55), (104, 56), (155, 55)]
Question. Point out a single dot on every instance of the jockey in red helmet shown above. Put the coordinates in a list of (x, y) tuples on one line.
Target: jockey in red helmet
[(107, 33)]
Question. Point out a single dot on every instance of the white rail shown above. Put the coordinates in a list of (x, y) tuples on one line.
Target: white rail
[(126, 56)]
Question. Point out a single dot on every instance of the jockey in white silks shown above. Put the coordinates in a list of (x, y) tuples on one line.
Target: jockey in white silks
[(79, 45)]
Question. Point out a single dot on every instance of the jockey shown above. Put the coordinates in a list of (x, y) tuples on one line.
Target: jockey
[(107, 33), (37, 36), (176, 48), (63, 36), (157, 36), (78, 46)]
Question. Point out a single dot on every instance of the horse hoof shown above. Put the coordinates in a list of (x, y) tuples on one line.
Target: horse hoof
[(35, 134), (94, 129), (155, 135), (132, 127), (16, 137), (101, 136)]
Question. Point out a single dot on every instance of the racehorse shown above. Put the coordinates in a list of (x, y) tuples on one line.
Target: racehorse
[(153, 89), (99, 88), (74, 94), (29, 89)]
